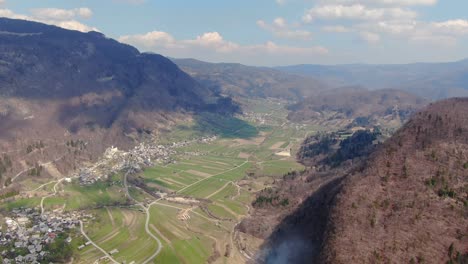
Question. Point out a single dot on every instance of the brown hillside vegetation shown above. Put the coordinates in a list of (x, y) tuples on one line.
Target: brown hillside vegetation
[(347, 104), (238, 80), (410, 204), (58, 86)]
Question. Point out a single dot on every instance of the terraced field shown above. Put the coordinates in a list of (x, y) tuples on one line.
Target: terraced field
[(121, 229)]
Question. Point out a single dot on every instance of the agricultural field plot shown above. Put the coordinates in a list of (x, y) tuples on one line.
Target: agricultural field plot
[(279, 167), (185, 240), (123, 230), (75, 197), (14, 203), (212, 183), (209, 186), (188, 172)]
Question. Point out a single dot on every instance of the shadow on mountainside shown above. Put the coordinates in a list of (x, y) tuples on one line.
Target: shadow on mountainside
[(299, 237)]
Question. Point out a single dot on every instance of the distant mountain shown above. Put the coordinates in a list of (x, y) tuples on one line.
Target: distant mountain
[(430, 80), (408, 205), (247, 81), (347, 105), (57, 85)]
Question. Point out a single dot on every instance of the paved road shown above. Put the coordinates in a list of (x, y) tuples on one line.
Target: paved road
[(148, 216), (81, 222), (95, 245)]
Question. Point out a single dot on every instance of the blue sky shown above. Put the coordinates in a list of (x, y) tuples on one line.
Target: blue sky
[(269, 32)]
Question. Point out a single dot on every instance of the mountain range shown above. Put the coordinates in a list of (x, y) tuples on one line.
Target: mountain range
[(430, 80), (239, 80)]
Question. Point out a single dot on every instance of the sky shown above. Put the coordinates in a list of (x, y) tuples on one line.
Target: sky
[(269, 32)]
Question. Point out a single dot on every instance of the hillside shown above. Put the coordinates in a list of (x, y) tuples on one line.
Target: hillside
[(246, 81), (409, 203), (429, 80), (357, 105), (405, 203), (58, 86)]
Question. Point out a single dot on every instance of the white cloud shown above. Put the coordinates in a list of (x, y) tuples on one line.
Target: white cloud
[(65, 18), (61, 14), (133, 2), (385, 2), (84, 12), (336, 29), (455, 27), (444, 33), (356, 12), (212, 46), (280, 2), (370, 37), (151, 39), (10, 14), (280, 28)]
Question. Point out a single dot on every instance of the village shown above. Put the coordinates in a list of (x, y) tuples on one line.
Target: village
[(27, 233), (143, 155)]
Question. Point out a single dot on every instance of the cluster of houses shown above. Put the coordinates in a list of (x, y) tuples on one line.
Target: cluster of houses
[(143, 155), (26, 233), (258, 118)]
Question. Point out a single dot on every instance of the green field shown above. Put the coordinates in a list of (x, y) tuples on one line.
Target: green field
[(209, 186), (121, 229)]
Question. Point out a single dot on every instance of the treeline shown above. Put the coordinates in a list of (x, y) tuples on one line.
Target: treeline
[(32, 147), (270, 197), (5, 164), (332, 149), (36, 171), (76, 144), (360, 144)]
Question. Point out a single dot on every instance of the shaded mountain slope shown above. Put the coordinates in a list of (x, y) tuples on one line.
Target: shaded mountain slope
[(58, 85)]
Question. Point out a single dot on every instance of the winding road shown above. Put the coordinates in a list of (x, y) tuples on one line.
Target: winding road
[(148, 216), (96, 246), (81, 222)]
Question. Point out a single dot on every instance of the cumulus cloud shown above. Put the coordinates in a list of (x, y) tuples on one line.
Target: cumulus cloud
[(133, 2), (370, 37), (444, 33), (61, 14), (280, 28), (280, 2), (65, 18), (455, 27), (372, 19), (336, 29), (212, 46), (385, 2), (357, 12)]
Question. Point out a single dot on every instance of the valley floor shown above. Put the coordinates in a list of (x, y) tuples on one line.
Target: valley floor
[(208, 190)]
